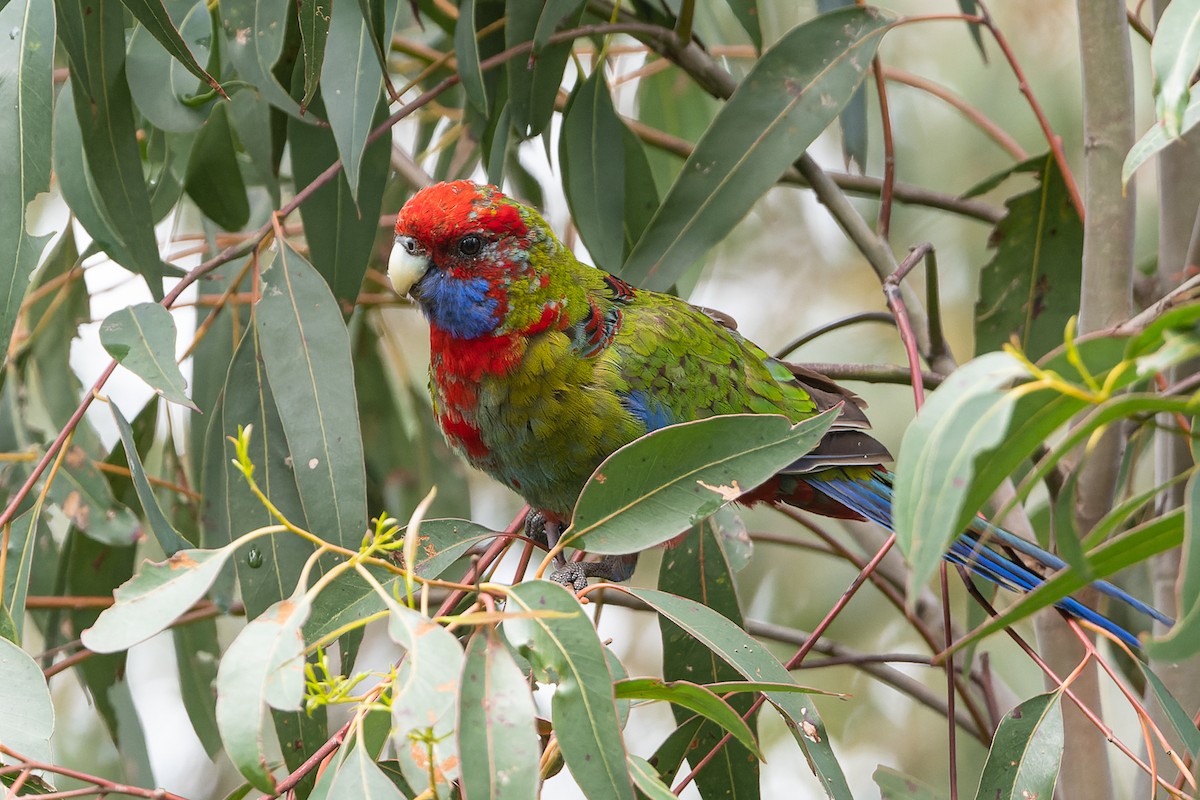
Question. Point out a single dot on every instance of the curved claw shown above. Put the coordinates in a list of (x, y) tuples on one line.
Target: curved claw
[(609, 568)]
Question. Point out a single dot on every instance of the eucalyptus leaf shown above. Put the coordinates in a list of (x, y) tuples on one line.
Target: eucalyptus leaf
[(153, 598), (142, 338), (27, 62)]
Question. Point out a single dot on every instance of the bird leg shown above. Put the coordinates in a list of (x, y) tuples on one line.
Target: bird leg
[(610, 568)]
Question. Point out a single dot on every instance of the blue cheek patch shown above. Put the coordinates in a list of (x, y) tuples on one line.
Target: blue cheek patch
[(651, 414), (458, 306)]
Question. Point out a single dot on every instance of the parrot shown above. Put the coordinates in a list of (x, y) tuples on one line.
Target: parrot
[(541, 366)]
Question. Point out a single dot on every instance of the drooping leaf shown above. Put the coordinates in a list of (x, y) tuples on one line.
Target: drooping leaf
[(214, 179), (93, 35), (698, 467), (1026, 751), (264, 666), (359, 776), (306, 351), (751, 659), (1175, 55), (197, 654), (254, 34), (973, 411), (791, 94), (154, 598), (747, 14), (85, 498), (533, 82), (268, 568), (694, 697), (1179, 717), (496, 724), (352, 87), (1030, 288), (424, 696), (565, 650), (340, 231), (466, 51), (1155, 140), (28, 719), (697, 568), (647, 780), (27, 62), (1180, 641), (164, 533), (605, 174), (142, 338), (155, 17), (314, 31)]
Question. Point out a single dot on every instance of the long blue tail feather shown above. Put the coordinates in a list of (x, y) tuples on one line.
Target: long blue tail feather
[(872, 498)]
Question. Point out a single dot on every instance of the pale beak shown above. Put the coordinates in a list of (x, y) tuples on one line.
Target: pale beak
[(405, 269)]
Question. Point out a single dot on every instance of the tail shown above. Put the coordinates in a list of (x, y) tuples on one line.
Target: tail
[(871, 497)]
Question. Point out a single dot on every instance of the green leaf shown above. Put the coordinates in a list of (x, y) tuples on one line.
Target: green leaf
[(214, 179), (254, 34), (698, 568), (1026, 751), (164, 533), (27, 62), (741, 651), (358, 776), (154, 17), (791, 94), (496, 724), (657, 487), (970, 8), (466, 52), (85, 498), (1179, 717), (1031, 286), (895, 785), (1155, 140), (1175, 55), (747, 14), (153, 599), (314, 32), (646, 779), (340, 232), (352, 86), (22, 542), (93, 35), (142, 338), (554, 14), (230, 508), (28, 719), (197, 654), (591, 150), (961, 423), (533, 82), (565, 650), (693, 697), (1181, 641), (306, 351), (426, 685), (263, 666)]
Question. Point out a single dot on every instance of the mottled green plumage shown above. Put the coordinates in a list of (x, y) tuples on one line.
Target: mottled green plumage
[(571, 363)]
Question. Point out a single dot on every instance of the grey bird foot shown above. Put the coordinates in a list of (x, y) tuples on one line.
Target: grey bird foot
[(610, 568)]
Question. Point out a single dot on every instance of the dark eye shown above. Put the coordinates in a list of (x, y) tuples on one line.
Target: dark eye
[(409, 244), (470, 245)]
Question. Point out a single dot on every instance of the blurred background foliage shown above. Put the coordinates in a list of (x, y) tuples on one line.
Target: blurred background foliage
[(159, 151)]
